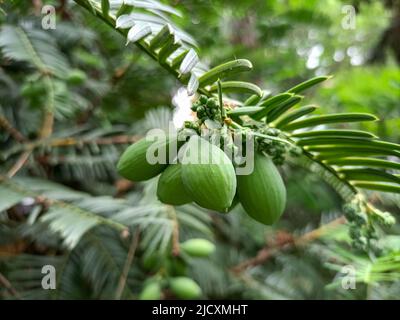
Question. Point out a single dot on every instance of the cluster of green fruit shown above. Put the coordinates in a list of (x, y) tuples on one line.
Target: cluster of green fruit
[(276, 149), (170, 272), (207, 108), (361, 232), (205, 175), (362, 229)]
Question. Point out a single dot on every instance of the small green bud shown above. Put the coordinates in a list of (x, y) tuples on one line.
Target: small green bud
[(203, 99), (211, 103), (198, 247)]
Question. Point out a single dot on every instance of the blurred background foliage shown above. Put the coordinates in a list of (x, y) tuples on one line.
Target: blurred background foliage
[(117, 93)]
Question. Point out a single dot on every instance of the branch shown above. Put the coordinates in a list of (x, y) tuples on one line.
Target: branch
[(70, 141), (128, 263), (48, 117), (6, 125), (37, 6), (23, 158), (47, 125), (284, 241), (7, 284)]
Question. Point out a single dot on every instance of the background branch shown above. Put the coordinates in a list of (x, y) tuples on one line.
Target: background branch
[(284, 241)]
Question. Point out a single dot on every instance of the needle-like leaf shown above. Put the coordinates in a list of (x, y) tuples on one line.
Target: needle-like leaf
[(308, 84), (334, 133), (366, 162), (225, 70), (238, 86), (293, 115), (189, 62), (377, 186), (330, 118)]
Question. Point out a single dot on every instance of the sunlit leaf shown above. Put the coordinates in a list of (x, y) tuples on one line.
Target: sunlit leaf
[(225, 70), (189, 62), (239, 87), (308, 84)]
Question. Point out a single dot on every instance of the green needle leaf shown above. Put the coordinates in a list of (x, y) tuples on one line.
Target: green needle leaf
[(334, 133), (271, 103), (238, 86), (280, 109), (307, 84), (349, 142), (189, 62), (105, 7), (359, 161), (294, 115), (178, 59), (241, 111), (329, 151), (331, 118), (385, 187), (193, 84), (367, 174), (170, 47), (138, 32), (254, 99), (224, 70), (162, 37)]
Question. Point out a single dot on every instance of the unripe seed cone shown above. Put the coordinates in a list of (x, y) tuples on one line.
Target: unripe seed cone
[(134, 163), (198, 247), (151, 291), (262, 193), (208, 175), (170, 187), (76, 76), (185, 288)]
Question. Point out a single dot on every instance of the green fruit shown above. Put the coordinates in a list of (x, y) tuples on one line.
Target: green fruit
[(262, 193), (133, 164), (203, 99), (170, 187), (208, 175), (31, 89), (76, 77), (198, 247), (185, 288), (151, 291)]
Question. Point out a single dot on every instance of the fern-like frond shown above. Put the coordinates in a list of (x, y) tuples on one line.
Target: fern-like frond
[(35, 47), (71, 214)]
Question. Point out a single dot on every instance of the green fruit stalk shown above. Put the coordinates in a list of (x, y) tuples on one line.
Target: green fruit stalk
[(184, 288), (198, 247), (170, 188), (208, 175), (262, 193), (133, 164)]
